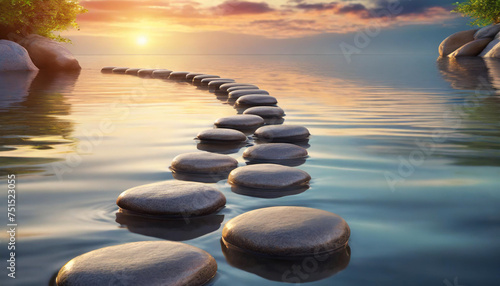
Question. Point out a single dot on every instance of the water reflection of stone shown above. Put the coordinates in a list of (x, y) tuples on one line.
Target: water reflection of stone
[(268, 193), (220, 147), (296, 270), (30, 104), (471, 73), (170, 229)]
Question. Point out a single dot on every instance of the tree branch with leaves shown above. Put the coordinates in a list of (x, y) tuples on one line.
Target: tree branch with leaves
[(482, 12)]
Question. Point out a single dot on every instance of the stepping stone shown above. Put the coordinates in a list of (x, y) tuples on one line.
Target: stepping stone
[(107, 69), (145, 72), (203, 163), (162, 73), (215, 84), (172, 198), (266, 111), (179, 75), (140, 263), (275, 151), (197, 79), (240, 122), (227, 86), (132, 71), (191, 75), (206, 81), (120, 70), (282, 133), (222, 134), (238, 93), (269, 177), (231, 89), (287, 231), (256, 100)]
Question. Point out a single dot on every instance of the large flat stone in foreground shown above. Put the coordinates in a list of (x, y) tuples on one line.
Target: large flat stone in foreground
[(172, 198), (269, 177), (282, 133), (287, 231), (140, 263), (203, 163)]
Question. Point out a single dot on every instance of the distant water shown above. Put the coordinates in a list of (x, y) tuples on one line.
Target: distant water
[(406, 149)]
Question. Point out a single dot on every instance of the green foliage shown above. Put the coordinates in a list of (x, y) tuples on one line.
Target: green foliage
[(483, 12), (42, 17)]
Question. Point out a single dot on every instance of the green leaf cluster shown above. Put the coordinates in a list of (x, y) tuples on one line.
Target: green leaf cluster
[(42, 17), (482, 12)]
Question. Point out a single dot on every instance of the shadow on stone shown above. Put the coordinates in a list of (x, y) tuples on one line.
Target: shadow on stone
[(296, 270), (201, 178), (268, 193), (168, 228)]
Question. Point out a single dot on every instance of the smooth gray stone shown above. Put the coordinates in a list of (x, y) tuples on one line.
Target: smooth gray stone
[(227, 86), (268, 176), (256, 100), (206, 81), (266, 111), (487, 32), (172, 198), (234, 88), (287, 231), (275, 151), (455, 41), (178, 75), (161, 73), (120, 70), (14, 57), (282, 133), (140, 263), (240, 122), (241, 92), (222, 134), (203, 163), (197, 79), (132, 71), (215, 84), (191, 75), (145, 72), (107, 69)]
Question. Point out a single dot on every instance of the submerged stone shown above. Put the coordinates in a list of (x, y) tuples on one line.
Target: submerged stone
[(203, 163), (287, 232), (269, 177), (172, 198), (222, 134), (266, 111), (275, 151), (241, 92), (140, 263), (256, 100), (240, 122), (282, 133)]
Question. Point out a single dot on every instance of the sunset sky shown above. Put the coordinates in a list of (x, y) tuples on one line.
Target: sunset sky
[(276, 26)]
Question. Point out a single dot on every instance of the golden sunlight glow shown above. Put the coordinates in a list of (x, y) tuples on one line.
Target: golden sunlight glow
[(142, 40)]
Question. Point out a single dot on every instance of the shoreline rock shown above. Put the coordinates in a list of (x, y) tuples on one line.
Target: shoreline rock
[(14, 57)]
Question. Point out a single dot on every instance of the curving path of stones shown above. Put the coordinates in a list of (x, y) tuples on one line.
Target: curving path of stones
[(285, 233)]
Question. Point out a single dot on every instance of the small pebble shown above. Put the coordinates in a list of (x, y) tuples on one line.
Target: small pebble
[(227, 86), (191, 75)]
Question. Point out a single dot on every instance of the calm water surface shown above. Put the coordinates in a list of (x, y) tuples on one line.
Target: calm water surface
[(406, 149)]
